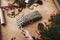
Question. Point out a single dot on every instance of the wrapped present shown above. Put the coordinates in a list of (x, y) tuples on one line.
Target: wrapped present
[(29, 18)]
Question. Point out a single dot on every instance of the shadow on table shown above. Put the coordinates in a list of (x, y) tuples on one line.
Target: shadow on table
[(0, 33)]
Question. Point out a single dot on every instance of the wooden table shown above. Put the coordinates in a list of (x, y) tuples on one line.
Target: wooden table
[(11, 27)]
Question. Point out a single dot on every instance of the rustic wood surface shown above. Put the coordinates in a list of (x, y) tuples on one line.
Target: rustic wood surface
[(11, 27)]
